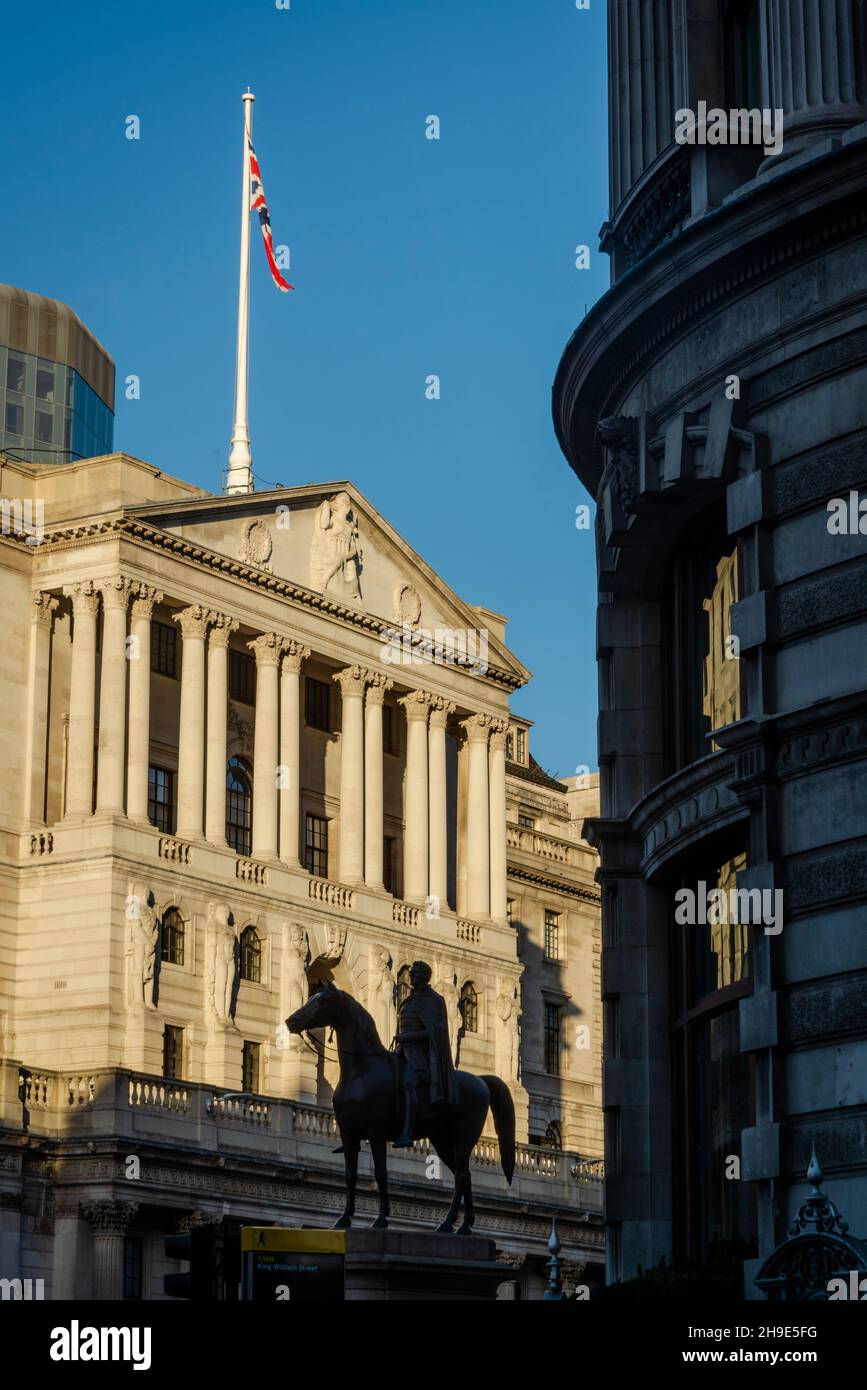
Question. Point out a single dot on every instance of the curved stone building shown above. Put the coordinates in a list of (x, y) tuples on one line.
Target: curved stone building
[(714, 404)]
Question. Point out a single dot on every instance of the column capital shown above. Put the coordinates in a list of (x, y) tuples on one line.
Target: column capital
[(440, 711), (222, 626), (417, 704), (115, 591), (379, 684), (477, 727), (352, 680), (42, 608), (109, 1218), (84, 595), (499, 728), (144, 600), (293, 654), (193, 621), (267, 648)]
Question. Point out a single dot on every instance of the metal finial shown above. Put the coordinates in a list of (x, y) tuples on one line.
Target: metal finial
[(814, 1172), (554, 1291)]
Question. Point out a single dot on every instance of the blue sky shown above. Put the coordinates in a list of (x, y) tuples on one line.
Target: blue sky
[(409, 256)]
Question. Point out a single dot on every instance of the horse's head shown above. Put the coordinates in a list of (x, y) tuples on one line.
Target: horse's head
[(321, 1010)]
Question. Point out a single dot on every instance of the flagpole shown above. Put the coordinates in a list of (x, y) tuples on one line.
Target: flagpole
[(240, 474)]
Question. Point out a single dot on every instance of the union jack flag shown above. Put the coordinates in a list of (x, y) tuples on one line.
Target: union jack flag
[(258, 204)]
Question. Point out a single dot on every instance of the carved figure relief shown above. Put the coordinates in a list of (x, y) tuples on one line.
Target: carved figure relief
[(335, 553)]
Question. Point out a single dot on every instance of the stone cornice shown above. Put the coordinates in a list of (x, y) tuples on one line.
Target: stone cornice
[(151, 538), (554, 885)]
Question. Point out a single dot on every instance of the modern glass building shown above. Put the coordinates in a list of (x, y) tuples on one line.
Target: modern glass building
[(56, 382)]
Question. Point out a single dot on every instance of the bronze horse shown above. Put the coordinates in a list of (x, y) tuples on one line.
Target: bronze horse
[(366, 1107)]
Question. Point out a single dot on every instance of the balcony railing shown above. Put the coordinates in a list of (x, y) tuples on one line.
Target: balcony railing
[(126, 1104)]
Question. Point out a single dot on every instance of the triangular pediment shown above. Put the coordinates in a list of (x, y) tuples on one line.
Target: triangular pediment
[(329, 539)]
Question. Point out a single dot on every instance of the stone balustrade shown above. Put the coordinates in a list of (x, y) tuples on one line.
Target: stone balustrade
[(125, 1105)]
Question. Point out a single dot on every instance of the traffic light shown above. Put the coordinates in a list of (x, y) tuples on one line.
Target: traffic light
[(198, 1248)]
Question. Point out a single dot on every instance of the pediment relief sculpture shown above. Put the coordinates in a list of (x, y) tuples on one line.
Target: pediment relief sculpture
[(335, 552), (257, 545)]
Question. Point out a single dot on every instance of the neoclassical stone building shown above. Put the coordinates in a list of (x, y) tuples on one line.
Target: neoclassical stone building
[(251, 743), (714, 404)]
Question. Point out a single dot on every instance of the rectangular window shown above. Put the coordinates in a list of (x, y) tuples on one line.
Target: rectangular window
[(250, 1067), (45, 383), (44, 426), (15, 375), (317, 704), (388, 844), (552, 935), (388, 730), (552, 1039), (173, 1052), (164, 649), (133, 1266), (510, 746), (14, 418), (527, 822), (242, 677), (161, 799), (316, 845), (521, 745)]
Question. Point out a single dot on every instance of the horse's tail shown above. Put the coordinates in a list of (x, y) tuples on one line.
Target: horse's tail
[(503, 1108)]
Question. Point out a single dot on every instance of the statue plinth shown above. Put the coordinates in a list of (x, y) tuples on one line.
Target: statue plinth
[(418, 1265)]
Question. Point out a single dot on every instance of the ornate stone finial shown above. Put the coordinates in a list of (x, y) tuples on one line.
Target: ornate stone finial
[(818, 1212), (145, 600), (193, 621), (554, 1291), (222, 627), (293, 654), (377, 687), (267, 649), (43, 607), (257, 544)]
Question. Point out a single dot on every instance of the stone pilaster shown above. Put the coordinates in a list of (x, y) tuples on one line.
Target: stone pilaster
[(82, 699), (193, 622), (478, 848), (217, 724), (437, 800), (352, 682), (416, 809), (290, 751), (111, 768), (266, 744), (497, 818), (42, 610), (139, 723), (373, 803)]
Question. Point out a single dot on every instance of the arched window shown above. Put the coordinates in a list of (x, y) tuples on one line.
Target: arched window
[(403, 984), (172, 937), (251, 956), (239, 806), (553, 1137), (470, 1007)]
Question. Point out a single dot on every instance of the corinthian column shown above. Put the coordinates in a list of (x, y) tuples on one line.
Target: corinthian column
[(497, 818), (817, 67), (110, 772), (267, 650), (42, 610), (478, 855), (82, 699), (139, 736), (109, 1222), (218, 712), (352, 681), (373, 780), (437, 802), (193, 623), (290, 750), (416, 809)]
